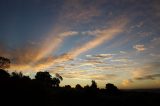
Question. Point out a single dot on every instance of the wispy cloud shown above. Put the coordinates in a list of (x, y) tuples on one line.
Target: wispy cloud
[(104, 36), (124, 60), (53, 43), (155, 42), (146, 71), (123, 52), (100, 56), (139, 48), (102, 76), (155, 55), (107, 34), (90, 76), (149, 77), (93, 33), (35, 56)]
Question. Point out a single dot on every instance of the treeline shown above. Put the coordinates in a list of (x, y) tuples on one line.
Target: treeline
[(44, 90), (19, 90), (43, 78)]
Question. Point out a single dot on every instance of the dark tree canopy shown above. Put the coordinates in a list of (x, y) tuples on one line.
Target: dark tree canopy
[(43, 76), (111, 87), (55, 82), (4, 63), (78, 86), (67, 86), (86, 87), (16, 75)]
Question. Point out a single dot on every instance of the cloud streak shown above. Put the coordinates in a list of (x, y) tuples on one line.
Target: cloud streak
[(117, 26), (53, 43), (104, 36), (149, 77), (139, 48)]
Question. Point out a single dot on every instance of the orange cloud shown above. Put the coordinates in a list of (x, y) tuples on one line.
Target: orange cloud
[(38, 57), (105, 35), (52, 44)]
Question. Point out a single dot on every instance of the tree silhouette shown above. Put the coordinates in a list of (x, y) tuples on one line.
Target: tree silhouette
[(93, 85), (86, 87), (111, 87), (4, 74), (67, 87), (4, 63), (55, 82), (78, 86), (44, 77), (16, 75)]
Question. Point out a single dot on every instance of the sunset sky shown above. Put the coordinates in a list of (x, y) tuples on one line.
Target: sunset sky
[(114, 41)]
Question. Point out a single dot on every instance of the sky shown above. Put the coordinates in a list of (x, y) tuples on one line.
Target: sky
[(109, 41)]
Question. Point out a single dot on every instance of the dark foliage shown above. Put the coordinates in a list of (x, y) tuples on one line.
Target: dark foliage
[(78, 86), (111, 88), (17, 89), (4, 74), (94, 85), (4, 63)]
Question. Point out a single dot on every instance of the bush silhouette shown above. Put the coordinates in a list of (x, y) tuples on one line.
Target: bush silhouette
[(111, 88), (67, 87), (79, 87)]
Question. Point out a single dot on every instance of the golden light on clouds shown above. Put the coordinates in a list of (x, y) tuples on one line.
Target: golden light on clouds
[(100, 37)]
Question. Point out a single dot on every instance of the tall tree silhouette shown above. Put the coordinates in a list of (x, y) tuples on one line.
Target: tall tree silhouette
[(4, 63), (94, 84)]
